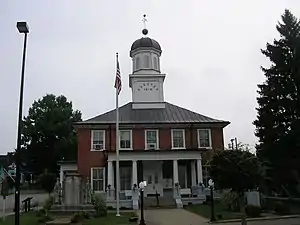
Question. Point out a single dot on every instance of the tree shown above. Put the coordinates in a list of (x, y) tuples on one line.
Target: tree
[(47, 181), (237, 170), (48, 134), (278, 119)]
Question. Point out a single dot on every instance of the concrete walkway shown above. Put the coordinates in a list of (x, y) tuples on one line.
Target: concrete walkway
[(172, 216)]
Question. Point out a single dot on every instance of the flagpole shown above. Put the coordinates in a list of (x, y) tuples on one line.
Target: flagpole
[(117, 152)]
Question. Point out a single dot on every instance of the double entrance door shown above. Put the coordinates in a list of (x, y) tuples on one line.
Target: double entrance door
[(153, 176)]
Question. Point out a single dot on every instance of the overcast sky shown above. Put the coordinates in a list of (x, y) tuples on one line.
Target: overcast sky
[(211, 54)]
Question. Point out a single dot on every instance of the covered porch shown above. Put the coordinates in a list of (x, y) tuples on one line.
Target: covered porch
[(163, 170)]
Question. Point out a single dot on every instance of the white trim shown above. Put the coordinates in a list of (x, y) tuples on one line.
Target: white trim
[(157, 139), (183, 131), (209, 139), (92, 140), (155, 155), (130, 140), (103, 169)]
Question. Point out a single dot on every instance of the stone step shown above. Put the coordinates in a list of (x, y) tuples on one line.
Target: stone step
[(163, 202), (59, 221)]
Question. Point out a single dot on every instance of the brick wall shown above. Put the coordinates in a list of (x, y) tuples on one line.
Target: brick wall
[(88, 158)]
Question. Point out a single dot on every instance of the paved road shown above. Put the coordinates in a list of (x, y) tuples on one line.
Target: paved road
[(295, 221), (10, 201)]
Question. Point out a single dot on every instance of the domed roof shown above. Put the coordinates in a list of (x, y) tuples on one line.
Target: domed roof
[(145, 42)]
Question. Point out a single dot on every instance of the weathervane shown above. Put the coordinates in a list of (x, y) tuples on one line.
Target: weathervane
[(144, 31), (144, 20)]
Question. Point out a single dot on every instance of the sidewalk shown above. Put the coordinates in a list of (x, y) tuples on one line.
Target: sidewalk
[(172, 216)]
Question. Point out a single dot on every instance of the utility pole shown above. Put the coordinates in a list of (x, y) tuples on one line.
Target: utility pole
[(232, 143), (236, 143)]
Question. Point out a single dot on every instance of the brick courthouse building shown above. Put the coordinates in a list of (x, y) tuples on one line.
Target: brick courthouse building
[(160, 142)]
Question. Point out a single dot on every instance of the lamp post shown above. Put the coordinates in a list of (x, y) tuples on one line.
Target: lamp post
[(211, 186), (22, 28), (142, 186)]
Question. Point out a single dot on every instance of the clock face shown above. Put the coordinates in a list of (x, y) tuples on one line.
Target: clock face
[(148, 86)]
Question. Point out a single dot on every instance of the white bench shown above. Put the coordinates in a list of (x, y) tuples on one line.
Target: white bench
[(186, 191), (128, 193)]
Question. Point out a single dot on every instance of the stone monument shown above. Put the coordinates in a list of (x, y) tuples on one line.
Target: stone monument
[(76, 194), (72, 190)]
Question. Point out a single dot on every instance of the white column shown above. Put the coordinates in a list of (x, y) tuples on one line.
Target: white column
[(175, 172), (61, 176), (134, 173), (110, 174), (199, 171), (193, 172)]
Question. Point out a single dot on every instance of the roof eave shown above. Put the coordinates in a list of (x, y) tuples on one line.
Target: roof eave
[(220, 123)]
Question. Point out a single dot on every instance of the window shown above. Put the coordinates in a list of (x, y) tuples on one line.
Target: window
[(204, 138), (178, 139), (98, 140), (155, 63), (147, 61), (125, 178), (137, 63), (151, 139), (125, 139), (97, 175)]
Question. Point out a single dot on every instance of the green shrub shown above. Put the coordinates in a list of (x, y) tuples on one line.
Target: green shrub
[(76, 218), (41, 212), (281, 208), (230, 200), (84, 215), (44, 219), (47, 181), (252, 211), (99, 205), (48, 204)]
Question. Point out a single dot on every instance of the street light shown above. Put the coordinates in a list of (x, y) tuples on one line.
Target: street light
[(211, 186), (142, 186), (22, 28)]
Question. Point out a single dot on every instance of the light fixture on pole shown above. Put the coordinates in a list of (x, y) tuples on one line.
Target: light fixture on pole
[(211, 186), (22, 28), (142, 186)]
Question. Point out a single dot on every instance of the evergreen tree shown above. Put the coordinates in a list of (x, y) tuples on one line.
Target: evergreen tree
[(278, 119)]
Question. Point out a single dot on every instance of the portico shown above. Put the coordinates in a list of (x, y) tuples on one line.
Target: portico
[(161, 169)]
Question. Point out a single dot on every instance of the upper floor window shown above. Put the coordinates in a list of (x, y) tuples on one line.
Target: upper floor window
[(147, 61), (178, 138), (125, 139), (98, 140), (151, 139), (137, 63), (97, 178), (204, 138)]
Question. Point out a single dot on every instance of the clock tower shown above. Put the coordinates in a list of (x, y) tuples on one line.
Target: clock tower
[(146, 80)]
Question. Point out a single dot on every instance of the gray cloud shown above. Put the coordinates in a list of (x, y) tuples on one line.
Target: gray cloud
[(211, 52)]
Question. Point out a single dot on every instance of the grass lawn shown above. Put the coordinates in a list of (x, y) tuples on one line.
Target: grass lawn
[(25, 219), (204, 211), (110, 219)]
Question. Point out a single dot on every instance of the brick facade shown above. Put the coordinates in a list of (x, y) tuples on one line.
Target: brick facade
[(88, 158)]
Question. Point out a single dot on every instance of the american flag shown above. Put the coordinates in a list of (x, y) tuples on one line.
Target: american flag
[(118, 82)]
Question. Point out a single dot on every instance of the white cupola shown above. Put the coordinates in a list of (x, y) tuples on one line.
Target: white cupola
[(146, 80)]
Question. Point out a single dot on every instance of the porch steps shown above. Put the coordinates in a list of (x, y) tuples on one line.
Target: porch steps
[(164, 202)]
